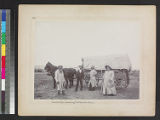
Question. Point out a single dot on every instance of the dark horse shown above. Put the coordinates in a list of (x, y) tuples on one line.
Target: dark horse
[(68, 74)]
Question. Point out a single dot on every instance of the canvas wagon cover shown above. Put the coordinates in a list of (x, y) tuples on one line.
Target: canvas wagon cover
[(114, 61)]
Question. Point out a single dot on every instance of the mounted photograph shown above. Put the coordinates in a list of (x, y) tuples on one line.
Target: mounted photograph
[(89, 57)]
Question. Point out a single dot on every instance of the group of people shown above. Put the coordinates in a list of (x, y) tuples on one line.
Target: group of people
[(107, 86)]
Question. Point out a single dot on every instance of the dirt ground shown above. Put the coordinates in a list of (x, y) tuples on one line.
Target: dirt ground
[(43, 89)]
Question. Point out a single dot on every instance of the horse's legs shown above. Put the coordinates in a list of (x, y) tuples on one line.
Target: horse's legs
[(72, 80), (66, 83), (54, 83), (70, 83)]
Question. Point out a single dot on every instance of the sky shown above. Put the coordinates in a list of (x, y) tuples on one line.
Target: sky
[(66, 42)]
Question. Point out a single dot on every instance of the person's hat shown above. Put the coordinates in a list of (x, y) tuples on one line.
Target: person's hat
[(60, 66), (92, 67), (107, 66)]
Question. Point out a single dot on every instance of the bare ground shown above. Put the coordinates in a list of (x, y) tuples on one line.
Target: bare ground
[(43, 89)]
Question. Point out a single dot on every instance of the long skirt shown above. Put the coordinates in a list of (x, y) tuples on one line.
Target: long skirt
[(109, 88)]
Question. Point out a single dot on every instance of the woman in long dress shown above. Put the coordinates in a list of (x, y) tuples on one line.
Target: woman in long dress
[(92, 82), (108, 85)]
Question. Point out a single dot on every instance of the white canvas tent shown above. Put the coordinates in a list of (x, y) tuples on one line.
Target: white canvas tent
[(114, 61)]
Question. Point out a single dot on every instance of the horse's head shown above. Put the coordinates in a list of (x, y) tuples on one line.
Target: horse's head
[(50, 68)]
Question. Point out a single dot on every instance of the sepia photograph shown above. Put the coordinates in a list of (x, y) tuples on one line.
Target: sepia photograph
[(87, 59), (92, 57)]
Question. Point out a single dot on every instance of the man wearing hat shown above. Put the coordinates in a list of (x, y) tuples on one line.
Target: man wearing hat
[(60, 80), (80, 77)]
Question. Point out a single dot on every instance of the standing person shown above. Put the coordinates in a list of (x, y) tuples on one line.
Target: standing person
[(108, 85), (80, 77), (92, 82), (60, 80)]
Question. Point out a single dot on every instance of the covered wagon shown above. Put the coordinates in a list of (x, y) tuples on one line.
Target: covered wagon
[(119, 63)]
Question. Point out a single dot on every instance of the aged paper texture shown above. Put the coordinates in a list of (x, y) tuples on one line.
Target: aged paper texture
[(144, 17)]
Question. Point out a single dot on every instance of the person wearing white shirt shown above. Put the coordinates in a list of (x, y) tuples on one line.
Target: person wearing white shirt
[(92, 82), (60, 80)]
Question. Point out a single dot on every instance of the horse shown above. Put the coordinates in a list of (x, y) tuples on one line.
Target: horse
[(68, 74)]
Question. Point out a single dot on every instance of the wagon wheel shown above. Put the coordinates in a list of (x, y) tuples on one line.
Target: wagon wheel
[(85, 77), (118, 83), (124, 83)]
